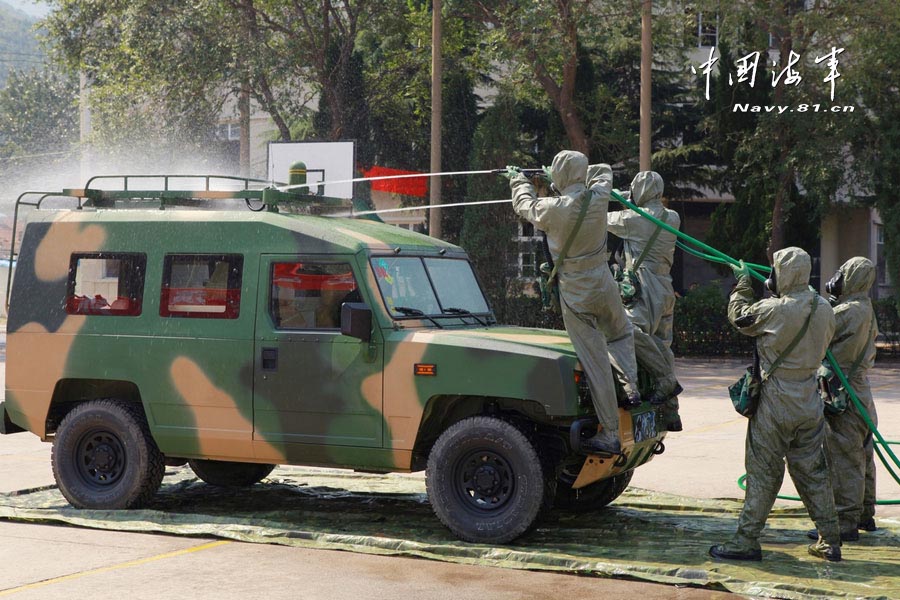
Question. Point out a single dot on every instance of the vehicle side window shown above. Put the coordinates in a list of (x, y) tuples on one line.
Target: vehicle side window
[(201, 286), (309, 295), (106, 283)]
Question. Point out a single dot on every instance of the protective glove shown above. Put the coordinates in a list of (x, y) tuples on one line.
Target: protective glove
[(511, 171), (740, 270), (546, 171)]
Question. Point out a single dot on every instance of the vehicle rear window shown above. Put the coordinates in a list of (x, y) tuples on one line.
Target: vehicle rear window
[(201, 286), (309, 294), (106, 283)]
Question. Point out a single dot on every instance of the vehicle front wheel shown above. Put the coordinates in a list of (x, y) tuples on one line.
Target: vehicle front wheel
[(104, 457), (592, 497), (230, 474), (485, 481)]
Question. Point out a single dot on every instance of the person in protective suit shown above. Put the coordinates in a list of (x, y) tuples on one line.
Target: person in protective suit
[(589, 297), (652, 310), (788, 425), (848, 441)]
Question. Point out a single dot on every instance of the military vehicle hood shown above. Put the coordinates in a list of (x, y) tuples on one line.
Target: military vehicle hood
[(516, 340)]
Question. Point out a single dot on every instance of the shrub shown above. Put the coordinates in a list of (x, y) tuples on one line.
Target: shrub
[(701, 325), (888, 325)]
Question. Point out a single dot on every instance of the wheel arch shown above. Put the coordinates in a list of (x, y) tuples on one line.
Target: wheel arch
[(443, 411), (69, 393)]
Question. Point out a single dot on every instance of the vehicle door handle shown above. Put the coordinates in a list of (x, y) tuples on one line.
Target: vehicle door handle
[(270, 359)]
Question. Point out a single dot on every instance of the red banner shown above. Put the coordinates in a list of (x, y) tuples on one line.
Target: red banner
[(409, 186)]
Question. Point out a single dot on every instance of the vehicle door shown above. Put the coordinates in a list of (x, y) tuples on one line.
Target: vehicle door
[(313, 385)]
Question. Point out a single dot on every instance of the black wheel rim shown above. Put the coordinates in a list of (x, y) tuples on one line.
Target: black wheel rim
[(484, 481), (100, 459)]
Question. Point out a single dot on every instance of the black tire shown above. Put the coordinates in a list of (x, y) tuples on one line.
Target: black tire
[(593, 497), (104, 457), (485, 481), (230, 474)]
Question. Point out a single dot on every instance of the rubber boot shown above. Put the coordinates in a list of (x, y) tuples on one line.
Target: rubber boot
[(823, 549), (631, 400), (731, 551), (603, 443), (867, 525), (847, 535)]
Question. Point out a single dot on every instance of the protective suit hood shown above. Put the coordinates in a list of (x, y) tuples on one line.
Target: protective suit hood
[(568, 168), (792, 267), (646, 187), (859, 275)]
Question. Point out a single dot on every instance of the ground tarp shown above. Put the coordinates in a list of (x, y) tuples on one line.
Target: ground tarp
[(643, 535)]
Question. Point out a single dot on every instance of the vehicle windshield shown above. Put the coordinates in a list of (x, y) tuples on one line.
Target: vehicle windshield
[(413, 286)]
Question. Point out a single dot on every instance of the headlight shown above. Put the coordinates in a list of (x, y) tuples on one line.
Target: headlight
[(584, 391)]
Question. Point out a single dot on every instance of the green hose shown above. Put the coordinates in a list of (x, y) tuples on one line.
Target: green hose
[(742, 483), (716, 259), (709, 253)]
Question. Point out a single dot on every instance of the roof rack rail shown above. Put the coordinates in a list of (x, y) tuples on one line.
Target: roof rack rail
[(266, 193)]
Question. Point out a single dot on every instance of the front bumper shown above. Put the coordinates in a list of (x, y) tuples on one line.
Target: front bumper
[(641, 433)]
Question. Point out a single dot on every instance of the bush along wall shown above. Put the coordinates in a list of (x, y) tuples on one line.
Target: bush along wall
[(888, 326), (701, 326)]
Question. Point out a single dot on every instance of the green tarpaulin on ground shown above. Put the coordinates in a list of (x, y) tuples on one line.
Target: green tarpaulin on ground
[(643, 535)]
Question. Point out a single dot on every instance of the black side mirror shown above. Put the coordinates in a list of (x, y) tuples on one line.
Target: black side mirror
[(356, 320)]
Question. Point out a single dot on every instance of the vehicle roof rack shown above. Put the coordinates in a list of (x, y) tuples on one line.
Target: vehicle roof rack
[(175, 192)]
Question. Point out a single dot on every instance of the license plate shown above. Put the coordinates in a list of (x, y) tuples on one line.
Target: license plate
[(644, 426)]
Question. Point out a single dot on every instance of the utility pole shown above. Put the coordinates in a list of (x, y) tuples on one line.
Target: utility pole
[(84, 122), (434, 221), (244, 116), (646, 66)]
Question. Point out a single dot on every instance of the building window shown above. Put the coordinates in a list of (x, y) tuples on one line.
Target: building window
[(106, 284), (228, 131), (529, 254), (881, 274), (309, 295), (201, 286), (707, 30)]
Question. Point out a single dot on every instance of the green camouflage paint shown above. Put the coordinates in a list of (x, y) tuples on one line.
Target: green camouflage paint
[(333, 400)]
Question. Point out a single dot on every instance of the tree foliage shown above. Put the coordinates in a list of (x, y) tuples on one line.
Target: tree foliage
[(874, 75), (38, 113), (561, 74), (19, 49)]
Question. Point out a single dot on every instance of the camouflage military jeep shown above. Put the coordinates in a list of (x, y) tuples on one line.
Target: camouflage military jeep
[(235, 341)]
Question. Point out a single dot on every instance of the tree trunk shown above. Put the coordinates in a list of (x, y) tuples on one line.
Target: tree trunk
[(782, 140)]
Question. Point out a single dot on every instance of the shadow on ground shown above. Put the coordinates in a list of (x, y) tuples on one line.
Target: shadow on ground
[(643, 535)]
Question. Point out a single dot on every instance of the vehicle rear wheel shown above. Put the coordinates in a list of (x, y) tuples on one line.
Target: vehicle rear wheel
[(104, 457), (230, 474), (485, 481), (593, 497)]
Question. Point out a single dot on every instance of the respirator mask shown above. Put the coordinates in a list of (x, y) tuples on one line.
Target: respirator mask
[(771, 284), (835, 286)]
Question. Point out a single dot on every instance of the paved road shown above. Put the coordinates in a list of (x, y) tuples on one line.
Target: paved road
[(41, 561)]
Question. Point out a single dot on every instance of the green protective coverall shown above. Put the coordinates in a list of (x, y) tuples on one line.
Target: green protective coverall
[(847, 439), (789, 422), (589, 296), (651, 312)]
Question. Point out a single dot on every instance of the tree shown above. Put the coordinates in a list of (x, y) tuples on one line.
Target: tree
[(792, 161), (547, 50), (184, 54), (38, 113), (874, 72)]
